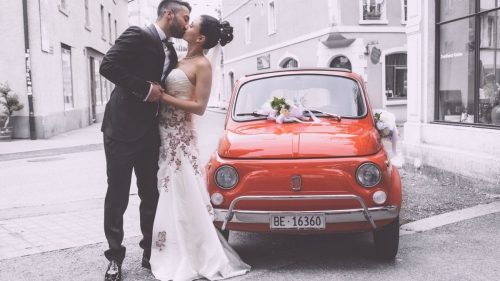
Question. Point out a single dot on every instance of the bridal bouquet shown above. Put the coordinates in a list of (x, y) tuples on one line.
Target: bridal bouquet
[(282, 110)]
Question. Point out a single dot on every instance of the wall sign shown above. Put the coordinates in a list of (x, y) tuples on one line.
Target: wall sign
[(264, 62), (375, 55)]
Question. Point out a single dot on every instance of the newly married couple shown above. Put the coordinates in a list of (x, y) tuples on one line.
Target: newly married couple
[(148, 128)]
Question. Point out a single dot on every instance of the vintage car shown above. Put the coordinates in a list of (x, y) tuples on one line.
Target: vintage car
[(324, 172)]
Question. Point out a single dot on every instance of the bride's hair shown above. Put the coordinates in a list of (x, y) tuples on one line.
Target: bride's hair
[(215, 31)]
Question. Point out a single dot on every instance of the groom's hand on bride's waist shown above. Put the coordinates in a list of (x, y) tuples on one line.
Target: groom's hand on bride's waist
[(155, 92)]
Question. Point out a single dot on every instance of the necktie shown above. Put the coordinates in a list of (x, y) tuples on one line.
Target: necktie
[(172, 58)]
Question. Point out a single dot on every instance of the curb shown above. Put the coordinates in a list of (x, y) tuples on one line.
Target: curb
[(449, 218), (51, 152)]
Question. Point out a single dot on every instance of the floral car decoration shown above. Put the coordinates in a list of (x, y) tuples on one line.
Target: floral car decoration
[(301, 154)]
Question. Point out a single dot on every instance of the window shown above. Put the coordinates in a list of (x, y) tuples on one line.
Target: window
[(451, 9), (248, 30), (489, 63), (373, 12), (87, 14), (341, 62), (46, 33), (116, 29), (456, 71), (404, 11), (103, 32), (468, 62), (231, 81), (63, 7), (271, 18), (335, 94), (98, 83), (396, 76), (67, 77), (289, 63), (489, 4), (110, 33)]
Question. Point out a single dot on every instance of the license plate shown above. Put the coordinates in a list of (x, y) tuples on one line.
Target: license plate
[(294, 221)]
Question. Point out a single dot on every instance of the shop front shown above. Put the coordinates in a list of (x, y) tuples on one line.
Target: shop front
[(454, 86)]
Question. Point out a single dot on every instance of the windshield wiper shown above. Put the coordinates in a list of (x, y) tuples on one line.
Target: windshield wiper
[(254, 114), (332, 115)]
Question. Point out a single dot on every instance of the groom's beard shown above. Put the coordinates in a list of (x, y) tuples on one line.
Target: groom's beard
[(177, 29)]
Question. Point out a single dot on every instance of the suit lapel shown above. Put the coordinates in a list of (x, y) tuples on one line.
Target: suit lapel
[(152, 31)]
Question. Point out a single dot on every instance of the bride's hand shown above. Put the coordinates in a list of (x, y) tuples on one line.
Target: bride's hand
[(165, 97)]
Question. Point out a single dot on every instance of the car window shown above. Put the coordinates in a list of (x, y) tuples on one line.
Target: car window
[(326, 93)]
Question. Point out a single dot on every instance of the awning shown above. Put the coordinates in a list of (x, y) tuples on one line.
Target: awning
[(337, 40)]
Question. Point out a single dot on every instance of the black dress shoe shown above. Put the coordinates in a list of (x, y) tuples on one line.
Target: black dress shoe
[(145, 263), (114, 272)]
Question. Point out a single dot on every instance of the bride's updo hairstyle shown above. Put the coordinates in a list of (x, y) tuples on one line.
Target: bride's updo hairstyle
[(215, 32)]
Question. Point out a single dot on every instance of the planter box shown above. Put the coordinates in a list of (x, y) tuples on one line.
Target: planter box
[(6, 133)]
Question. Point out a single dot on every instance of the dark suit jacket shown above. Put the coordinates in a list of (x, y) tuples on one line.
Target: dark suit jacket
[(136, 57)]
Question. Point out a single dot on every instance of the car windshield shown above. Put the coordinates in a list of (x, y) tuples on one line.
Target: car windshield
[(319, 93)]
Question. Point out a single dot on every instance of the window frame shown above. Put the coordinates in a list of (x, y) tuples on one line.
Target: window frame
[(87, 15), (285, 61), (476, 16), (271, 17), (72, 104), (395, 100), (103, 24), (63, 7), (248, 30), (383, 14), (404, 11), (110, 29), (116, 29)]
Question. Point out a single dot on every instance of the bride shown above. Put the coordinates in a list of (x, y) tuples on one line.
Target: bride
[(186, 245)]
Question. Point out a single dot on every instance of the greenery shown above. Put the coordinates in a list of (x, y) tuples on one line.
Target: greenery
[(9, 104), (279, 103)]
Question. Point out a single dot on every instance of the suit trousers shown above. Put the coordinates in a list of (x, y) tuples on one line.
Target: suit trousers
[(141, 156)]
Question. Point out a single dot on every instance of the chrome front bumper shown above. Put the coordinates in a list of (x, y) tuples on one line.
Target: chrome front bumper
[(362, 214)]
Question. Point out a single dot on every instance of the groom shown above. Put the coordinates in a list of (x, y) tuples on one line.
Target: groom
[(136, 63)]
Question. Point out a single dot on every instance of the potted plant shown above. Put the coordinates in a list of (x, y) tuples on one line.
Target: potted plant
[(9, 103)]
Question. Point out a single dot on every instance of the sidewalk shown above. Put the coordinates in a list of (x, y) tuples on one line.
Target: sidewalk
[(85, 139)]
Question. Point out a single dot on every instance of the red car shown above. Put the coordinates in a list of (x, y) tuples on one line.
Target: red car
[(322, 170)]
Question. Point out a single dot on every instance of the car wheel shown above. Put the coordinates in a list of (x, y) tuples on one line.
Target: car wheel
[(225, 233), (387, 241)]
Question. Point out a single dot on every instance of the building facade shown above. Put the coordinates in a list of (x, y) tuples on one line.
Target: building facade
[(53, 56), (453, 86), (365, 36), (142, 12)]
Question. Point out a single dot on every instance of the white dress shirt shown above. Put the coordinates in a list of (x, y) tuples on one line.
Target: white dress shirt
[(167, 53)]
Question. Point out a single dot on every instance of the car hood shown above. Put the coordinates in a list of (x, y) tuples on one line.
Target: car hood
[(298, 140)]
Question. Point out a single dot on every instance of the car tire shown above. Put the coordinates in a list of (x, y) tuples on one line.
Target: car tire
[(387, 241)]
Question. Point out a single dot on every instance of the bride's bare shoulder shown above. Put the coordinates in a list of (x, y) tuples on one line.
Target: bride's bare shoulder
[(203, 62)]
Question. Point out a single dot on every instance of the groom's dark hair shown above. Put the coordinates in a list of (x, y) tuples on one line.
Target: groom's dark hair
[(174, 5)]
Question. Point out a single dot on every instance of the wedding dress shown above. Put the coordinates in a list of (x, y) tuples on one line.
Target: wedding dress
[(186, 245)]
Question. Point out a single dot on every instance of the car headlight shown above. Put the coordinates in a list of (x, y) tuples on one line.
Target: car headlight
[(368, 175), (217, 198), (226, 177)]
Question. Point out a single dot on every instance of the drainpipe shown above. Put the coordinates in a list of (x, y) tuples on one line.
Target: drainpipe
[(28, 72)]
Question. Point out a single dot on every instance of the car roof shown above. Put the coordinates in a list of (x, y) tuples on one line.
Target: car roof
[(309, 70)]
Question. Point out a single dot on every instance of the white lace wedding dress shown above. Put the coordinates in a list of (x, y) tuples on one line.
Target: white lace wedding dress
[(186, 245)]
